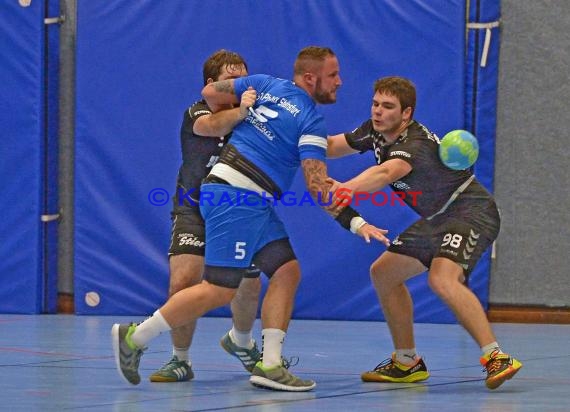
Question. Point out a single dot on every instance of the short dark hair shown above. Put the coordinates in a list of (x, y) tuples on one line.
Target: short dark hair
[(400, 87), (214, 65), (310, 55)]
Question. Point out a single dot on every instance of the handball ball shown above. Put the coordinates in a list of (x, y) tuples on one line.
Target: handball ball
[(458, 149)]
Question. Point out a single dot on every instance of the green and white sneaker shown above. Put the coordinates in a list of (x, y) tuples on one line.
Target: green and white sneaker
[(247, 357), (279, 378), (127, 354), (174, 371)]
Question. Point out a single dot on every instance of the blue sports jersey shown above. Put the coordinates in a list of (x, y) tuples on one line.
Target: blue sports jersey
[(282, 128)]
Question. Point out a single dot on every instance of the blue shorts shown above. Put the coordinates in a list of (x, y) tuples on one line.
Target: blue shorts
[(238, 224)]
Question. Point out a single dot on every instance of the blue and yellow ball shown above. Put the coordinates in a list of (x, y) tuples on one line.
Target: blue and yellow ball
[(458, 149)]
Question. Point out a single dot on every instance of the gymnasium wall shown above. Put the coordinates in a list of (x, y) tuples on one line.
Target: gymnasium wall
[(532, 164), (136, 74), (138, 67), (22, 163)]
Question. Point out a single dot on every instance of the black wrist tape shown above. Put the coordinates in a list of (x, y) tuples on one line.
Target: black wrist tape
[(346, 216)]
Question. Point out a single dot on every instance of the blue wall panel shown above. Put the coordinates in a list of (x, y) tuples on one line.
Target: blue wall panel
[(21, 154), (139, 67)]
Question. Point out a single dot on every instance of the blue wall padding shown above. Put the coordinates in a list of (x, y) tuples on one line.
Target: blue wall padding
[(21, 156), (139, 67)]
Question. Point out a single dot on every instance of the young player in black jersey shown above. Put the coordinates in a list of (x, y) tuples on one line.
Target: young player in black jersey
[(458, 221), (202, 137)]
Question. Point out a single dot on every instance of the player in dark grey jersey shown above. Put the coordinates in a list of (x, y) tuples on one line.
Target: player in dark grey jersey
[(202, 137), (459, 221)]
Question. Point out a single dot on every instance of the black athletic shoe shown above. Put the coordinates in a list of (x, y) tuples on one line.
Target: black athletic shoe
[(390, 370)]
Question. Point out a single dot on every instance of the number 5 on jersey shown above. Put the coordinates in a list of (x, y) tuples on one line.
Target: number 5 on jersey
[(240, 251)]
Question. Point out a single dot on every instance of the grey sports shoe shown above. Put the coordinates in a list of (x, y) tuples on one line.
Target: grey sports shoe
[(247, 357), (127, 354), (279, 378), (174, 371)]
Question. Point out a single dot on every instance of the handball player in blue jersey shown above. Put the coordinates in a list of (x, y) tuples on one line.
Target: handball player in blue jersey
[(282, 132)]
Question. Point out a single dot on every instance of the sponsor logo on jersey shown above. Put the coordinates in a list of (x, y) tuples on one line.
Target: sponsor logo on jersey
[(189, 239), (290, 107), (267, 97), (450, 252), (401, 185), (400, 153), (201, 112), (261, 127), (263, 114)]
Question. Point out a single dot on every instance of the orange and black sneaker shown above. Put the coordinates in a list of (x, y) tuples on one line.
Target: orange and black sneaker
[(390, 370), (499, 367)]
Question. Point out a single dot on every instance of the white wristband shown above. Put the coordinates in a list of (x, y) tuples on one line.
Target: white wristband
[(356, 223)]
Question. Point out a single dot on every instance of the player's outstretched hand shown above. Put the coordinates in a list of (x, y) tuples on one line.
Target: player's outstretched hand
[(369, 231), (341, 194)]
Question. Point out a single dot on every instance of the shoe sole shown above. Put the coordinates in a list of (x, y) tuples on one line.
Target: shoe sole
[(117, 352), (163, 379), (157, 377), (499, 380), (375, 377), (265, 383)]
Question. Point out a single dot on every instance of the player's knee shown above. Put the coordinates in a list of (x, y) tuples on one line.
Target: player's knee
[(249, 288), (376, 272), (226, 277), (291, 271), (185, 271), (179, 283), (440, 285), (295, 274), (275, 256), (220, 295)]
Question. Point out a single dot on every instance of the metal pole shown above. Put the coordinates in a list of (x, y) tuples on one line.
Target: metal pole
[(66, 174)]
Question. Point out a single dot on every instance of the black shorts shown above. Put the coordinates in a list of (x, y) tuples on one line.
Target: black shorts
[(461, 236), (189, 236)]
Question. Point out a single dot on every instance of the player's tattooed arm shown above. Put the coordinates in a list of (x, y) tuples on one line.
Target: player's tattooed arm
[(224, 86), (222, 122), (315, 172), (220, 95)]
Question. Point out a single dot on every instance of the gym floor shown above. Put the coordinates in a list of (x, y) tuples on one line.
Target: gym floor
[(65, 362)]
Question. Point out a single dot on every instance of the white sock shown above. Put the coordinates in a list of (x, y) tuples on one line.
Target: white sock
[(149, 329), (242, 339), (272, 345), (181, 354), (491, 347), (406, 357)]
